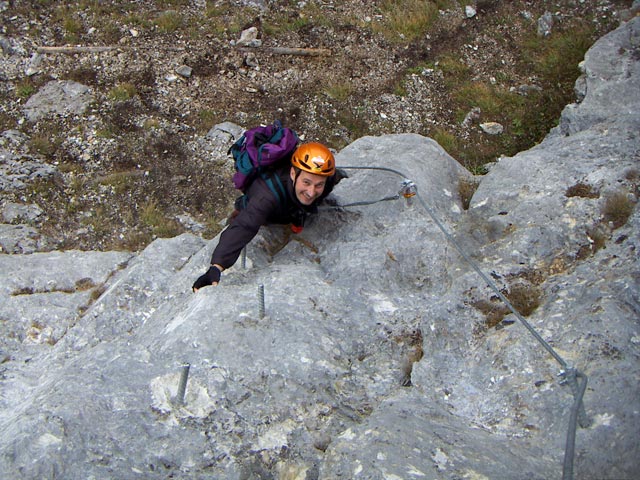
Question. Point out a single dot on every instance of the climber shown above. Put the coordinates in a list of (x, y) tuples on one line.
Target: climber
[(288, 195)]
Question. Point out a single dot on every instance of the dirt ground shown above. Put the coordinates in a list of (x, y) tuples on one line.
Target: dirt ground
[(133, 169)]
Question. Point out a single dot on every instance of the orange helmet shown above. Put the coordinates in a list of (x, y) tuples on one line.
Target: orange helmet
[(314, 158)]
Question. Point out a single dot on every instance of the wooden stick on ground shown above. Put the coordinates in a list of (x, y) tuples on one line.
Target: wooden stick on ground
[(74, 49)]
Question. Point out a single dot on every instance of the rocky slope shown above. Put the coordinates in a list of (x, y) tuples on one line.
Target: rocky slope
[(117, 154), (382, 353)]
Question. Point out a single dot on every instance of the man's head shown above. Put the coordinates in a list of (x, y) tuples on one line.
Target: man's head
[(312, 164)]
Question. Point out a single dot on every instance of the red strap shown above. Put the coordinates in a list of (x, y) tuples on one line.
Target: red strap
[(296, 229)]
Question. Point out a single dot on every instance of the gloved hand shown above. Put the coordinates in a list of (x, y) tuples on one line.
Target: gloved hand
[(212, 277)]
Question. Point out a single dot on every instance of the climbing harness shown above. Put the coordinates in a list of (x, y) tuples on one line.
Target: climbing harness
[(569, 375)]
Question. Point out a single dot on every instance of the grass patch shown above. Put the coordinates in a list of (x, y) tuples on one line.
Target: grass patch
[(43, 145), (454, 70), (168, 21), (73, 29), (527, 118), (555, 59), (7, 122), (339, 91), (122, 92), (25, 88), (224, 18), (354, 121), (151, 124), (446, 140), (406, 20), (121, 182), (494, 102), (152, 216), (204, 120)]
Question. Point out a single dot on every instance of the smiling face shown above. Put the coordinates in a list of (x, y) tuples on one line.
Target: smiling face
[(308, 186)]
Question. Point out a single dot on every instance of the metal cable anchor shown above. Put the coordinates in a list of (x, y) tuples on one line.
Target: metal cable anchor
[(569, 376), (408, 190)]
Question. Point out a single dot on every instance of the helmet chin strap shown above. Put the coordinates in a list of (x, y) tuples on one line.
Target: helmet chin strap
[(295, 180)]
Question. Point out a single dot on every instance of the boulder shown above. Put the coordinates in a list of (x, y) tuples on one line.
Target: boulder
[(58, 97)]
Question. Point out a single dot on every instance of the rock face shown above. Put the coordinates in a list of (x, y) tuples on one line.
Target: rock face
[(382, 353)]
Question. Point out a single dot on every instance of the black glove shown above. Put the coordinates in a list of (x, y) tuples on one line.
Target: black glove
[(212, 276)]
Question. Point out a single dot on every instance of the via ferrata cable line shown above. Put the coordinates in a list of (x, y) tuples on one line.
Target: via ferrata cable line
[(569, 374)]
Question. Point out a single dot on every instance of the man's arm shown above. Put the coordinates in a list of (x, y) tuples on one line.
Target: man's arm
[(236, 236)]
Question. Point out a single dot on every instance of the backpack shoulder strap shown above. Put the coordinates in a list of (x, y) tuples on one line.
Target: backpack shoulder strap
[(275, 185)]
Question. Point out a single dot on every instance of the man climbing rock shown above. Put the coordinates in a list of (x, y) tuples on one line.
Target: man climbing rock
[(288, 195)]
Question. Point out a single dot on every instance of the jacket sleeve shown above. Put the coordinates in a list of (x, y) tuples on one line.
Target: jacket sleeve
[(245, 226)]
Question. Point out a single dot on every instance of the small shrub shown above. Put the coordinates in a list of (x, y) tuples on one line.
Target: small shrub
[(121, 182), (43, 145), (494, 311), (226, 18), (169, 21), (84, 284), (340, 91), (632, 175), (598, 236), (110, 32), (25, 89), (7, 122), (617, 209), (133, 240), (122, 92), (581, 190), (97, 292), (72, 25), (523, 296), (85, 75), (446, 140)]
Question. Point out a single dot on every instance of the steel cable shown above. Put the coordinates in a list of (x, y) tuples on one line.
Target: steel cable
[(569, 374)]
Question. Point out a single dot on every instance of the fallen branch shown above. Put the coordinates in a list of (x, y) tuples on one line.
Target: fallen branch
[(305, 52), (76, 49)]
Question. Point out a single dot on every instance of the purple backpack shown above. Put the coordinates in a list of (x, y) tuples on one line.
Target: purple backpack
[(260, 149)]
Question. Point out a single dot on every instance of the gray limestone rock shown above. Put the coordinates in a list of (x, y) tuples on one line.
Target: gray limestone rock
[(20, 239), (61, 97), (12, 212), (17, 170), (382, 353), (225, 133)]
